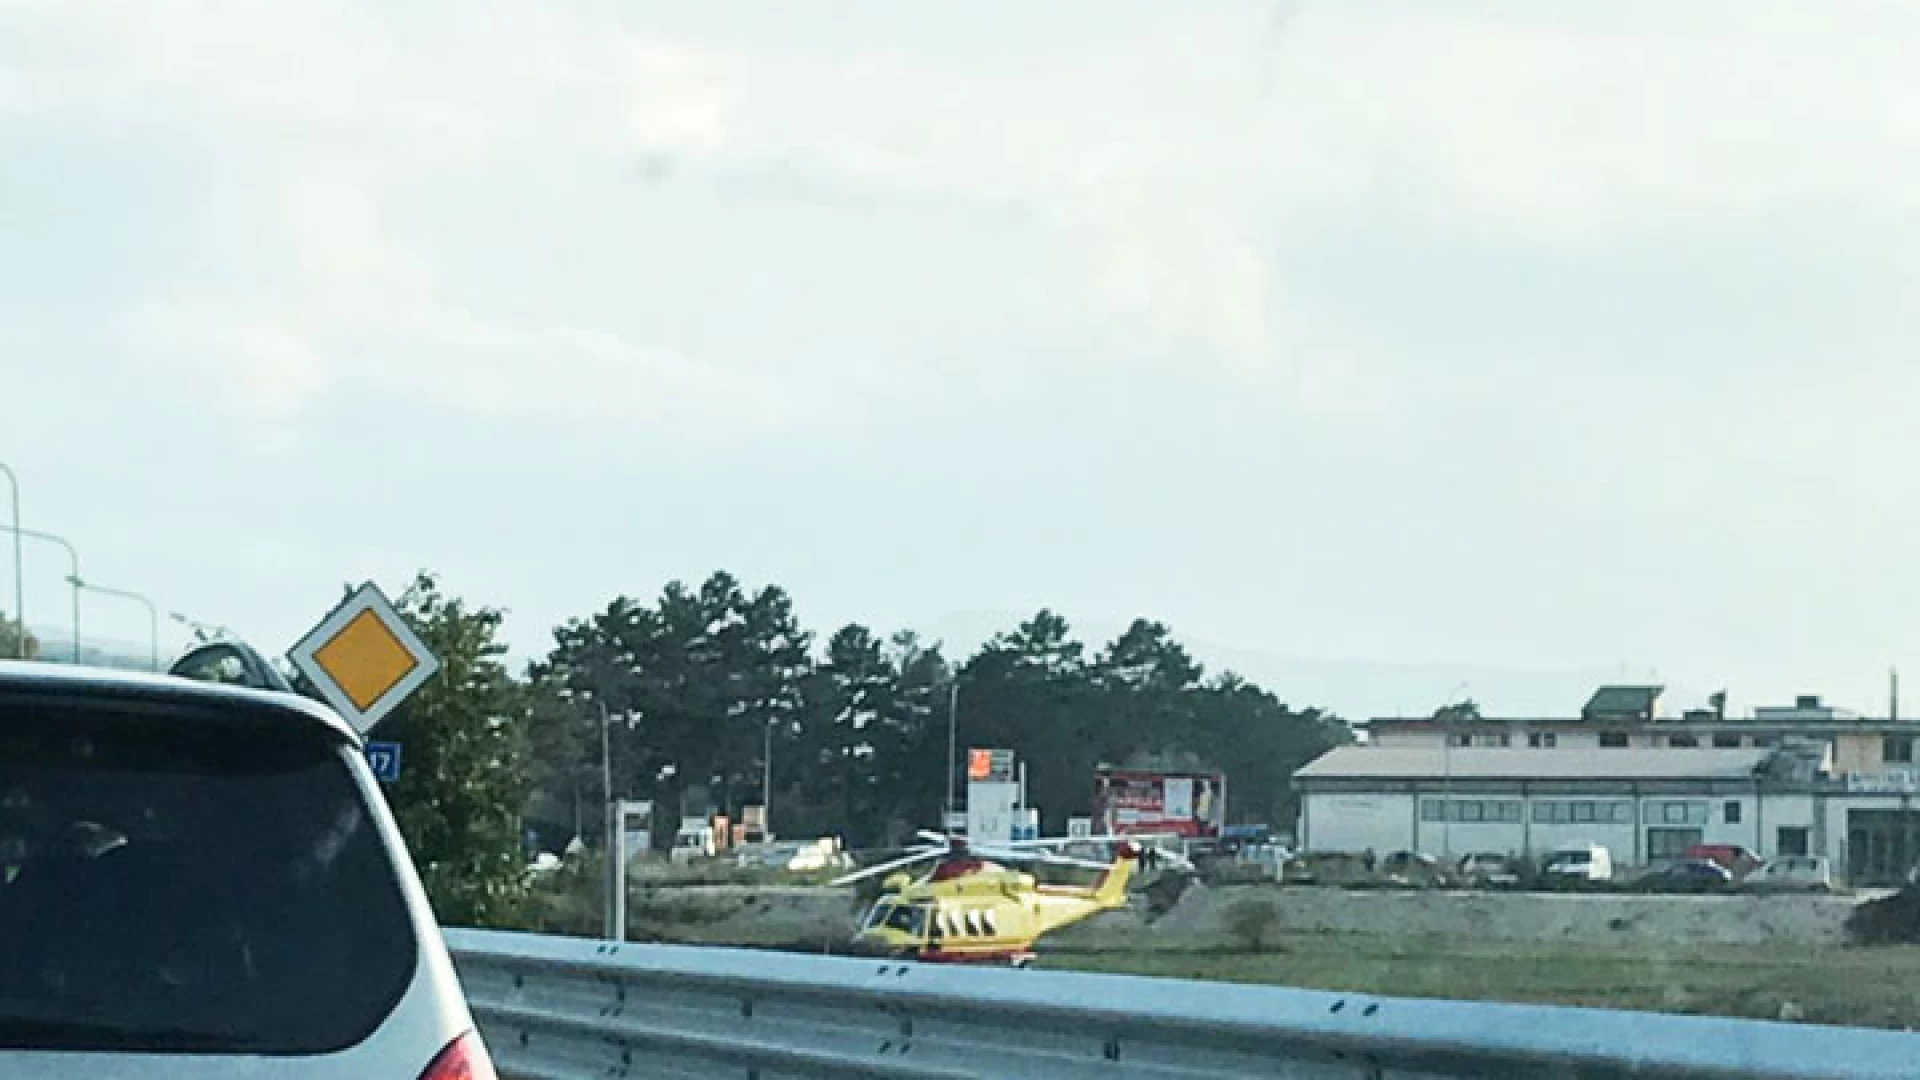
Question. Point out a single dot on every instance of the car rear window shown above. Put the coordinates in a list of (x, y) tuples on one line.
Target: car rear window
[(175, 883)]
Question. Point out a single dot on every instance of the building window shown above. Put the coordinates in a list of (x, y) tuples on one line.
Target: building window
[(1726, 740), (1685, 741), (1897, 749), (1670, 843), (1766, 742), (1793, 840), (1582, 812), (1542, 740), (1613, 740), (1677, 812), (1505, 739), (1459, 738), (1470, 811), (1731, 811)]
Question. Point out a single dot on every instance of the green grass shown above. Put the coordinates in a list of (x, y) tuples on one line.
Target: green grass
[(1856, 987)]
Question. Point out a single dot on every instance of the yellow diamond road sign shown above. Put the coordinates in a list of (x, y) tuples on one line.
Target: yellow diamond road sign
[(364, 658)]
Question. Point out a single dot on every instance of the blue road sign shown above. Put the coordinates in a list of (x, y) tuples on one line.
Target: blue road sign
[(384, 758)]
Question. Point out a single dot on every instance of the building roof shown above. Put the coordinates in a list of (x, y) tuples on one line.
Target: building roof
[(1622, 701), (1474, 763)]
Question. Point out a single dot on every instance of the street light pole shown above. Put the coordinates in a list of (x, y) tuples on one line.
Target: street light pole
[(153, 615), (766, 786), (953, 744), (19, 575), (202, 631), (73, 558)]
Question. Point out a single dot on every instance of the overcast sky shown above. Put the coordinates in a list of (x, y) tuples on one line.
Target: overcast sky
[(1456, 335)]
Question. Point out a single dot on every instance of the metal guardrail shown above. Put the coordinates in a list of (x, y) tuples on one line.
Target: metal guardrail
[(564, 1008)]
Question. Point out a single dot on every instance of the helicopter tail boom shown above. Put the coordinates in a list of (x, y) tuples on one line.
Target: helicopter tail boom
[(1111, 890)]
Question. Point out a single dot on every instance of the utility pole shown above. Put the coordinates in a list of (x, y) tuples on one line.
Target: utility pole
[(953, 744), (19, 576), (153, 615), (766, 785), (73, 559), (616, 833), (606, 753)]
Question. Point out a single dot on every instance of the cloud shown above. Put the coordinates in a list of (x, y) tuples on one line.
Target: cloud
[(1177, 149)]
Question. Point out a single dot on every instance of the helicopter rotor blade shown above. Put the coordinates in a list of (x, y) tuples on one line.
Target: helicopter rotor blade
[(1048, 858), (890, 865), (1083, 864)]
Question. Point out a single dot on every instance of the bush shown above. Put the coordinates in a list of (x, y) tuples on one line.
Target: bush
[(1252, 921), (570, 901), (1894, 920)]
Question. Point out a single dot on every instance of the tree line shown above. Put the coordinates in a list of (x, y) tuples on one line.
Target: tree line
[(714, 694)]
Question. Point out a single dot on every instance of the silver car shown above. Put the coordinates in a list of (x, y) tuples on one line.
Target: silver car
[(204, 881)]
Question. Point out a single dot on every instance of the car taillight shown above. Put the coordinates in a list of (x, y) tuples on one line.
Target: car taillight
[(465, 1058)]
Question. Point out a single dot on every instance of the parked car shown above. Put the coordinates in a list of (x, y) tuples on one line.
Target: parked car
[(1688, 876), (1415, 870), (1489, 871), (204, 880), (1737, 860), (1792, 873), (1325, 868), (794, 857), (1577, 866)]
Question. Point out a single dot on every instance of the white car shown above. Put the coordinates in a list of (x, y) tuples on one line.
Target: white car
[(1792, 873), (204, 881), (1585, 864)]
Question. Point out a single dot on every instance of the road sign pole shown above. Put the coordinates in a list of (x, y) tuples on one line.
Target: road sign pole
[(616, 873)]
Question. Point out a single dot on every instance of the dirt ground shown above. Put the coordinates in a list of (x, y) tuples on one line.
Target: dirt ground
[(1831, 985), (1206, 916), (1755, 957)]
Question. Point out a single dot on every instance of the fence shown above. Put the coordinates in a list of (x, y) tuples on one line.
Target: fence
[(560, 1008)]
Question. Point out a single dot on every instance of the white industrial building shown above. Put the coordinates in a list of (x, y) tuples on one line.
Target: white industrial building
[(1642, 805), (1806, 779)]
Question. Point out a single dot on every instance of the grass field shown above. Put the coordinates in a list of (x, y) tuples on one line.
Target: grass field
[(1877, 987)]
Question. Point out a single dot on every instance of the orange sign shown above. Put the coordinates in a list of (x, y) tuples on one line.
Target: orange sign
[(979, 764)]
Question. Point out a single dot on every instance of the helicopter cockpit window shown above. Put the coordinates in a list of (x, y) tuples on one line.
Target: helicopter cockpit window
[(973, 923), (910, 918), (992, 924), (879, 915)]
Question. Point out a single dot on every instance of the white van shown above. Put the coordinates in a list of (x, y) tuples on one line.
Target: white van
[(205, 881), (1590, 863)]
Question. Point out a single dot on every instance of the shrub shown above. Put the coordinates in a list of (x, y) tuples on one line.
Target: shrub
[(1894, 920), (1252, 922)]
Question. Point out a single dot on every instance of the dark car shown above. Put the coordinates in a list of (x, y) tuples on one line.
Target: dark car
[(1690, 876), (1735, 859)]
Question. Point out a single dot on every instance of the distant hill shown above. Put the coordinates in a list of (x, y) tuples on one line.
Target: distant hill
[(56, 646)]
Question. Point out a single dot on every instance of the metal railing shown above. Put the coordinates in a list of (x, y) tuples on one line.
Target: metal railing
[(560, 1008)]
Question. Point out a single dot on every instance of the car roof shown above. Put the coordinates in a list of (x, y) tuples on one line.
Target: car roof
[(30, 680)]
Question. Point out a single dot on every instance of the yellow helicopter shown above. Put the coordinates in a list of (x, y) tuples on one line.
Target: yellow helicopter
[(970, 908)]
